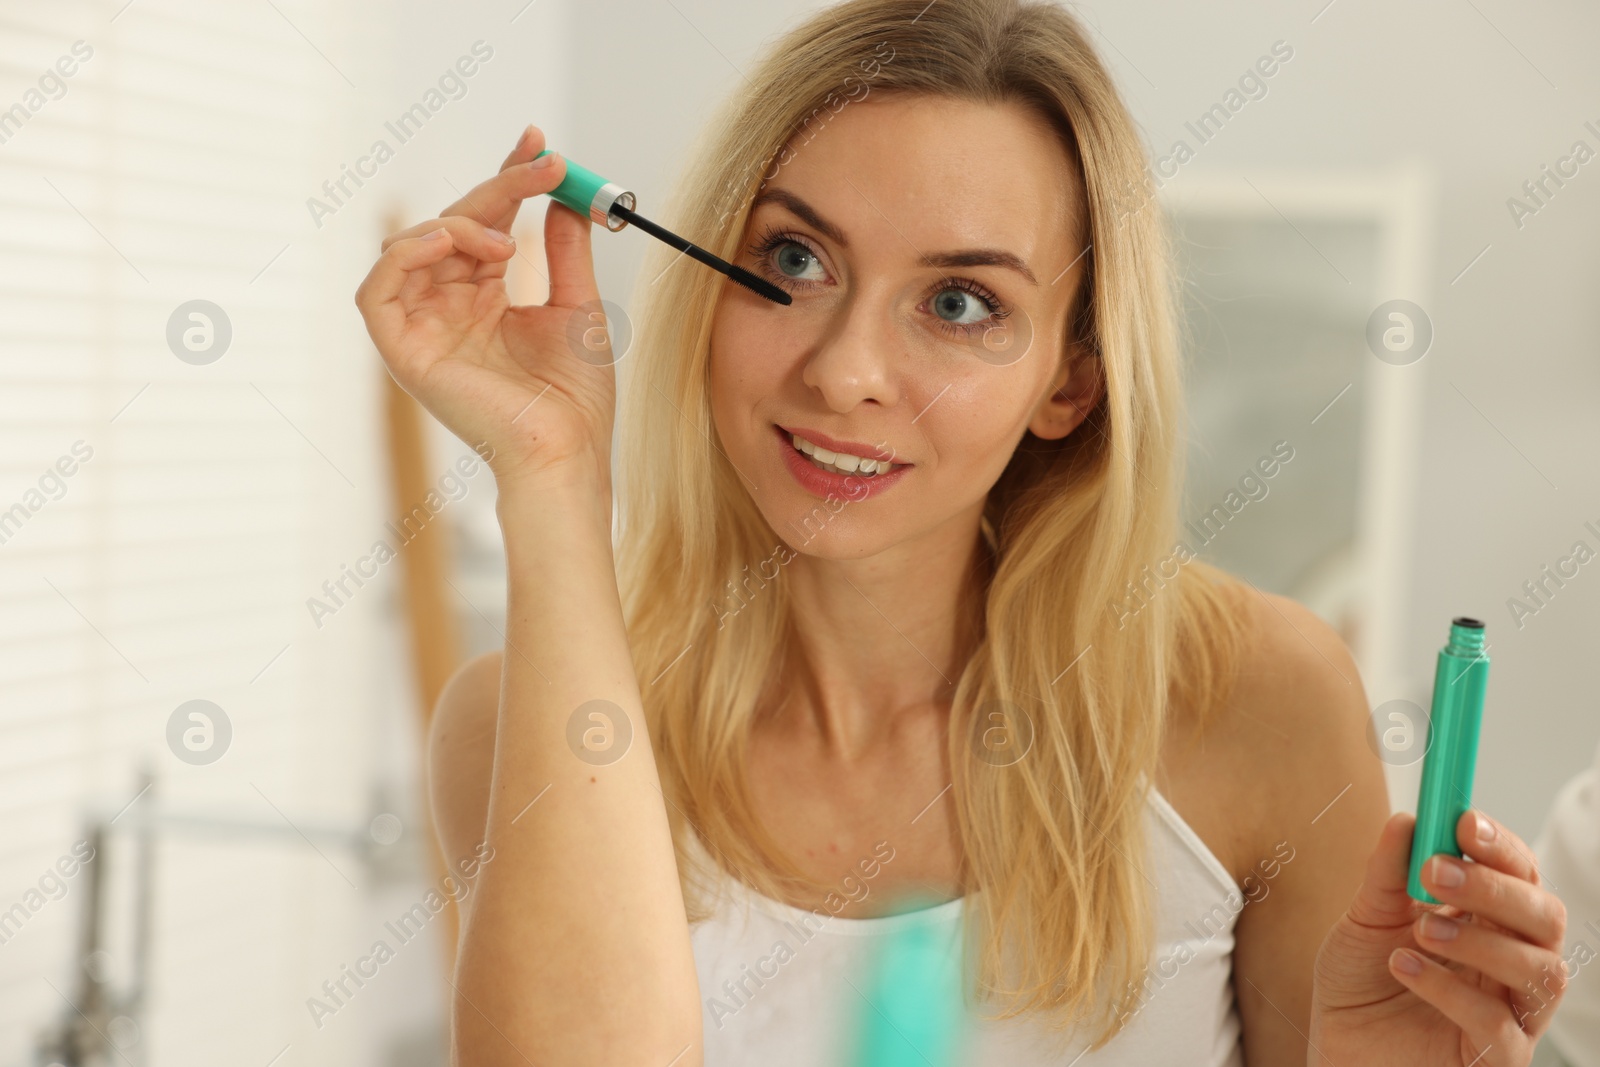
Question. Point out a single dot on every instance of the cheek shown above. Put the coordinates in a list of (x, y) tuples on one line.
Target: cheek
[(975, 427), (737, 379), (750, 360), (738, 338)]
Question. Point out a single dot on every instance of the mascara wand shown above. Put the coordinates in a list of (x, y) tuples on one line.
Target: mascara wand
[(612, 206)]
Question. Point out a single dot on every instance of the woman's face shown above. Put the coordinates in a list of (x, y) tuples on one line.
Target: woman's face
[(931, 246)]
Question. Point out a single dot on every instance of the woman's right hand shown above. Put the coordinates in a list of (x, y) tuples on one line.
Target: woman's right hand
[(507, 377)]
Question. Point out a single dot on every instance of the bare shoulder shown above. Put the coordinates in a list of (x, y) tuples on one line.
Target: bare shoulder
[(1289, 748), (1304, 718), (1308, 798), (461, 753)]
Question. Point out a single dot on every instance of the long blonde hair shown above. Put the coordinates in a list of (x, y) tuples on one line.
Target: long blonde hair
[(1076, 526)]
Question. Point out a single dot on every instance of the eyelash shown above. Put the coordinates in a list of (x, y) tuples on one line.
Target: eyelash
[(771, 239)]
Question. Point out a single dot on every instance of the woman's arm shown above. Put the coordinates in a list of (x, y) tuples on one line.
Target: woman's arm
[(461, 764), (463, 756), (1313, 791), (575, 946), (575, 949)]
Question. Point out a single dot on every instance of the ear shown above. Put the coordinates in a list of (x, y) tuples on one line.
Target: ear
[(1074, 391)]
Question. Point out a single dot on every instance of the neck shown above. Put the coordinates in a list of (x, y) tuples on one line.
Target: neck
[(884, 636)]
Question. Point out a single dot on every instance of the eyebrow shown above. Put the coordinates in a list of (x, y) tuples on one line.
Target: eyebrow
[(967, 257), (980, 257), (804, 211)]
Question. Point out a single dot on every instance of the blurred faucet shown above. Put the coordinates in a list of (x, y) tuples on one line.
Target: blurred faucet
[(102, 1025)]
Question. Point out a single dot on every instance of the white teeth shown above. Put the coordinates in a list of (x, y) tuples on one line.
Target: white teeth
[(840, 462)]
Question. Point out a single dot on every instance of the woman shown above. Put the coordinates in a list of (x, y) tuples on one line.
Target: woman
[(902, 615)]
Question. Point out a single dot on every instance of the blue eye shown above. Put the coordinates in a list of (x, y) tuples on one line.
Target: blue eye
[(795, 260), (959, 307)]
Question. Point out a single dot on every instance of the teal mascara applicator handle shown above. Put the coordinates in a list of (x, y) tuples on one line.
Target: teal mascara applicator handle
[(609, 204), (590, 194)]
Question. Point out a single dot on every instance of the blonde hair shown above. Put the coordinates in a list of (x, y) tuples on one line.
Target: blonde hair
[(1074, 526)]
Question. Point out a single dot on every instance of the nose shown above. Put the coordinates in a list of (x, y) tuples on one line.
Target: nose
[(857, 359)]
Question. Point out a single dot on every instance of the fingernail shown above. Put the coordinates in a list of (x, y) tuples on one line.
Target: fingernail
[(1438, 928), (440, 232), (1406, 962), (1485, 828), (526, 133), (1447, 872), (503, 238), (542, 161)]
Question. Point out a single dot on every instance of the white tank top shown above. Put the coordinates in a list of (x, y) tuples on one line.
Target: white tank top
[(778, 983)]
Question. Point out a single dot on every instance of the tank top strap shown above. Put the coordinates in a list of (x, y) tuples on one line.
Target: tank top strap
[(1185, 834)]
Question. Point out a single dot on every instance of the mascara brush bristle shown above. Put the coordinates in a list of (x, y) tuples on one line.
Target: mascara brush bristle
[(759, 286)]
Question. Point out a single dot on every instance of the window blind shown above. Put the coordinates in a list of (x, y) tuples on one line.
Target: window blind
[(165, 514)]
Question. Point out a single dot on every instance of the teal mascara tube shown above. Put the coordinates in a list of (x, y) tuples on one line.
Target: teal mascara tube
[(1459, 680), (908, 1009)]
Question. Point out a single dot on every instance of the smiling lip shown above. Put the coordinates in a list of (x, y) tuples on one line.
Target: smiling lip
[(830, 485), (833, 444)]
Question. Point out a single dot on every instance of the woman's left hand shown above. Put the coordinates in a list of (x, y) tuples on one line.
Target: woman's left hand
[(1482, 994)]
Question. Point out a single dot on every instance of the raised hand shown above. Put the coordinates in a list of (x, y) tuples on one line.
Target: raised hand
[(508, 377), (1473, 981)]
